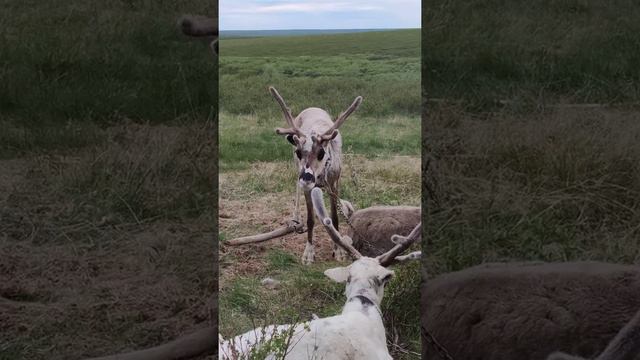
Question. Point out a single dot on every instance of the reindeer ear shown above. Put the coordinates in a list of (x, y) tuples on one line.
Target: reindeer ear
[(331, 136), (384, 278), (339, 274), (290, 139)]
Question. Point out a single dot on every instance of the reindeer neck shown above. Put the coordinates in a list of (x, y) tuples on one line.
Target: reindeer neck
[(365, 304)]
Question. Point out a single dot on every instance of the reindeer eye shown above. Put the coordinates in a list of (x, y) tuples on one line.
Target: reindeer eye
[(290, 139), (320, 154), (299, 154)]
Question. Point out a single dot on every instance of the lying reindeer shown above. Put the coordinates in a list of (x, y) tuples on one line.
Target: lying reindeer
[(318, 156), (358, 332), (195, 344), (624, 346), (527, 311), (370, 229)]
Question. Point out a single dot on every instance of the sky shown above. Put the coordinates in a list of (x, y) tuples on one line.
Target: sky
[(318, 14)]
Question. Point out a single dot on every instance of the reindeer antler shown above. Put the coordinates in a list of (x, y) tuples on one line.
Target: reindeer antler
[(332, 133), (402, 244), (321, 212), (293, 129)]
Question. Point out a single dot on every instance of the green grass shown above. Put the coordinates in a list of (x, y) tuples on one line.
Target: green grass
[(381, 164), (525, 182), (75, 64), (583, 51), (556, 186), (107, 176), (400, 43), (244, 139), (388, 81)]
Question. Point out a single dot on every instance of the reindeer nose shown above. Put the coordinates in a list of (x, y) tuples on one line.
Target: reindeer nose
[(307, 177)]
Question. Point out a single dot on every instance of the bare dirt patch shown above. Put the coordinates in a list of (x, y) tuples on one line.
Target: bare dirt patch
[(261, 212)]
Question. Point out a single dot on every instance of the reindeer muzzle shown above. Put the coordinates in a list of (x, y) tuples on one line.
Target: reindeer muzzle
[(307, 177)]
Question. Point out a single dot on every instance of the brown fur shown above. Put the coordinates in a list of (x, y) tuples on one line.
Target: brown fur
[(529, 310), (372, 228), (625, 346), (202, 27)]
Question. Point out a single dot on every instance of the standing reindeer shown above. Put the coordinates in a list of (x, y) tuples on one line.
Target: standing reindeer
[(358, 332), (318, 155)]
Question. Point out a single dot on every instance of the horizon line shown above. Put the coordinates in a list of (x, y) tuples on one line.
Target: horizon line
[(390, 28)]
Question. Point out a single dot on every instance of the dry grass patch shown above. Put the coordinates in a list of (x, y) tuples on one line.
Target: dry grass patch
[(108, 249), (554, 186)]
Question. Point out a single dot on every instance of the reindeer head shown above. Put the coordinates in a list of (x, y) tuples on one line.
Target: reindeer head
[(311, 151), (201, 26), (365, 276)]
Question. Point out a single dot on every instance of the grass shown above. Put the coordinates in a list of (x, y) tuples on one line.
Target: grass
[(115, 250), (387, 81), (556, 186), (257, 178), (578, 51), (107, 188), (525, 181), (79, 65), (396, 43)]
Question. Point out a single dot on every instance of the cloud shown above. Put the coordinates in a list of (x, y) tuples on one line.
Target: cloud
[(301, 7), (313, 14)]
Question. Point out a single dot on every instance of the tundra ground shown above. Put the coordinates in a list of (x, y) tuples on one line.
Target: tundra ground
[(107, 186)]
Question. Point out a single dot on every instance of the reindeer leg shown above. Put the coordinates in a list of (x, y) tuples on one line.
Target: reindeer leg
[(338, 253), (309, 252)]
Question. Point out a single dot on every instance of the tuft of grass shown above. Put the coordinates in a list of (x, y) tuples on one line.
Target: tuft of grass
[(279, 260), (401, 311), (143, 172)]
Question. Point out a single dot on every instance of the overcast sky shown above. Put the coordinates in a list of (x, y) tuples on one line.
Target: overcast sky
[(310, 14)]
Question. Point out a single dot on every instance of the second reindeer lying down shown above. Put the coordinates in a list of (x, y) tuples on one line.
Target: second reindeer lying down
[(527, 311), (358, 332), (370, 229), (624, 346)]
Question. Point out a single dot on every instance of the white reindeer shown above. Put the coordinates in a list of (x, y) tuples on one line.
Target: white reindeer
[(318, 155), (358, 332)]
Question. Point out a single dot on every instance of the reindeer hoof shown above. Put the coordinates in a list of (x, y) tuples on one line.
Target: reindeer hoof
[(309, 255), (340, 255)]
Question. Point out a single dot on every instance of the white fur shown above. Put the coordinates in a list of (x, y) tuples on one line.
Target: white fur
[(356, 334)]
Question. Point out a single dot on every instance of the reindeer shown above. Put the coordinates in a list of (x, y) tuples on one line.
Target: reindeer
[(201, 26), (358, 332), (624, 346), (318, 156), (529, 310), (371, 229)]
